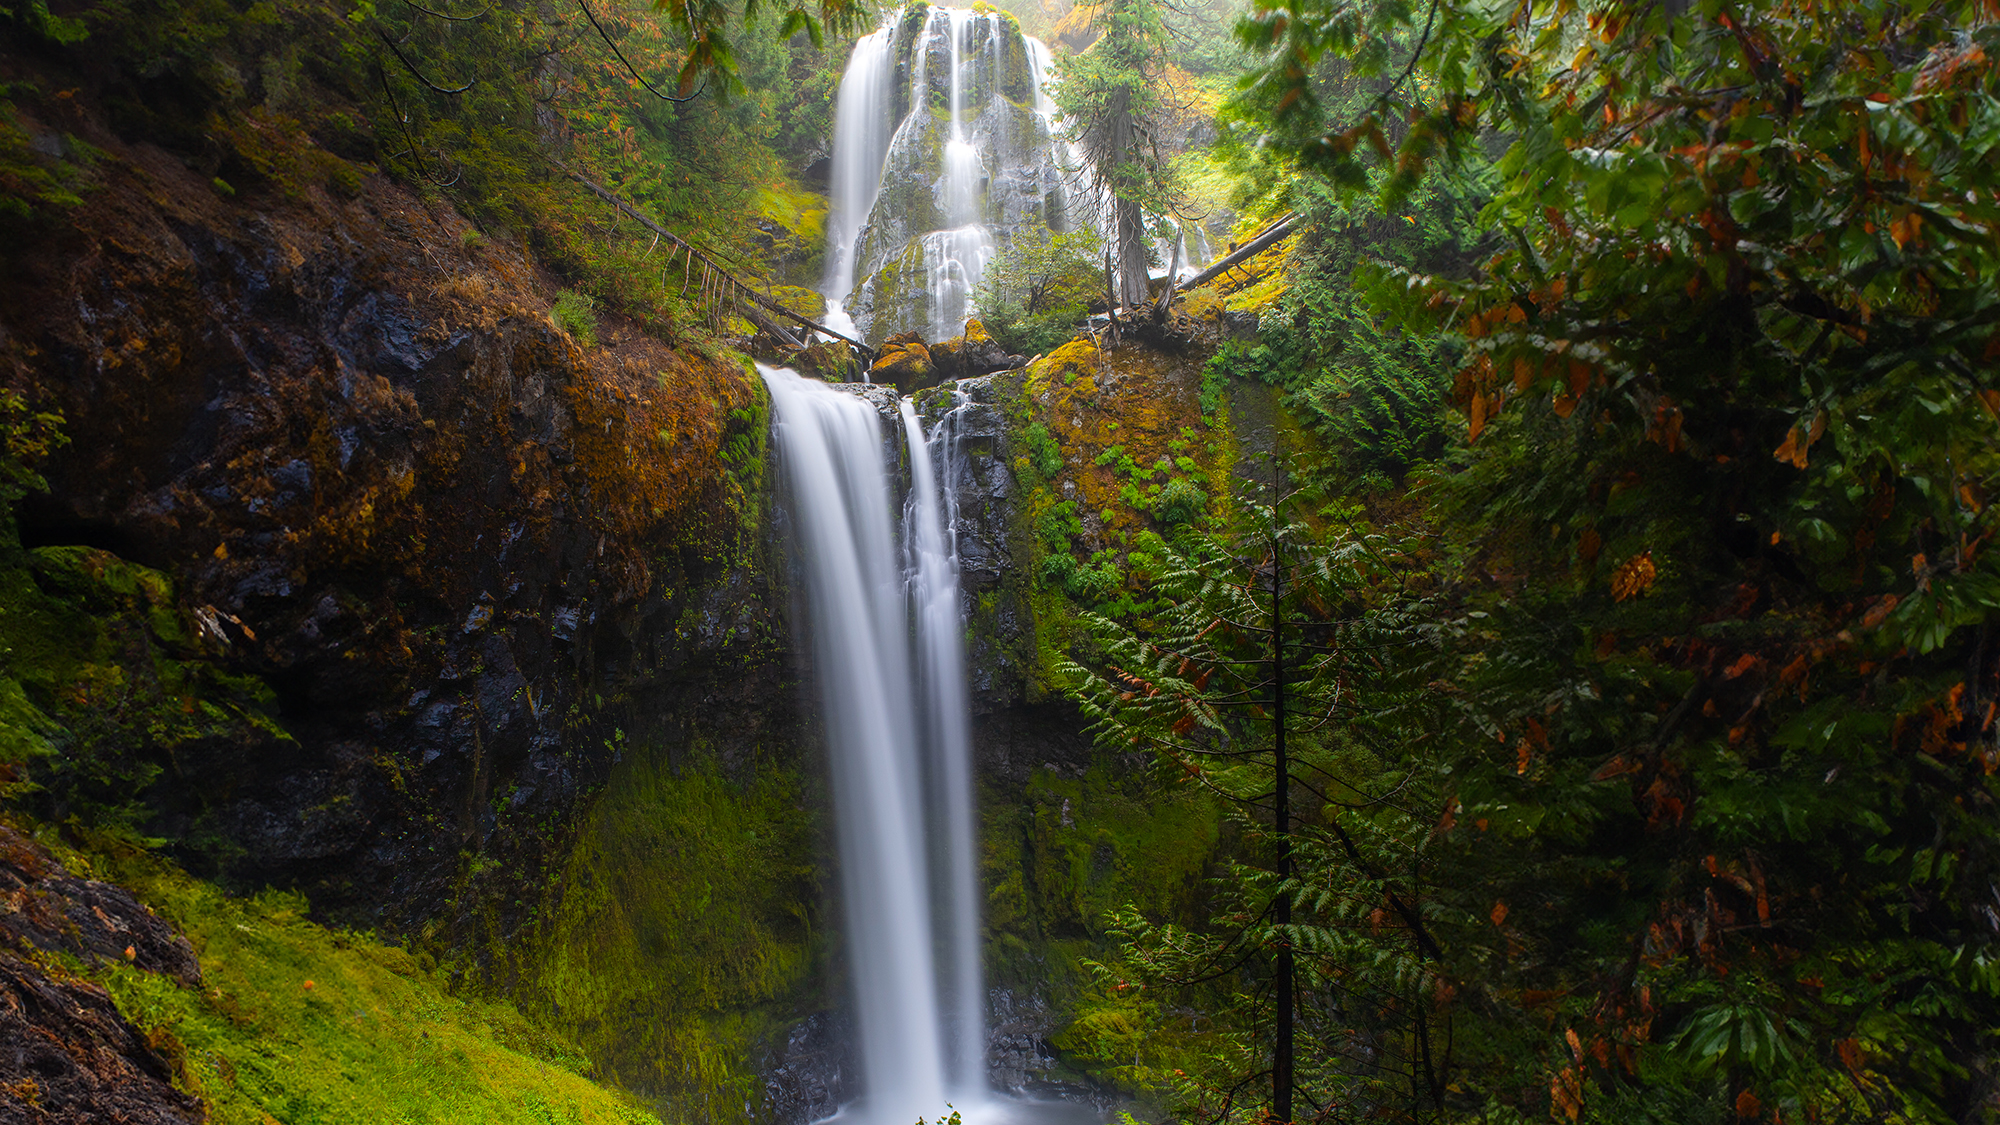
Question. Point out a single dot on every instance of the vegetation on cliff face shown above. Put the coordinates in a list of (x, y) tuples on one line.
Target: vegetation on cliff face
[(714, 886), (414, 544)]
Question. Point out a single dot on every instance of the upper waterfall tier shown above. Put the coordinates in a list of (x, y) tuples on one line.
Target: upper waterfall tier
[(943, 148)]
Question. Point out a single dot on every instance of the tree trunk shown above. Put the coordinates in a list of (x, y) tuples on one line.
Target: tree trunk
[(1281, 1053), (1128, 224)]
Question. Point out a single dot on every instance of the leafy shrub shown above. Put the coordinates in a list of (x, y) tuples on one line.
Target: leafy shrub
[(1027, 335), (1042, 453), (1179, 502), (1039, 289), (576, 314)]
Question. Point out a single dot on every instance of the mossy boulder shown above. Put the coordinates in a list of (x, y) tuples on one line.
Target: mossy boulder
[(974, 353), (904, 361)]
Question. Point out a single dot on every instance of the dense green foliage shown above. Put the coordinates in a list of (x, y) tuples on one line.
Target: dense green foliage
[(485, 109), (1117, 103), (1034, 294), (1375, 393), (1344, 887), (1712, 830)]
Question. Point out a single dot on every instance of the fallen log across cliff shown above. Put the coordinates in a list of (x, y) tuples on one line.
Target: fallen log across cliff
[(1269, 237), (730, 280)]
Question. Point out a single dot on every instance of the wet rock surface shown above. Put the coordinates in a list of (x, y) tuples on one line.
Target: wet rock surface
[(44, 907), (458, 549), (1001, 637), (808, 1076), (66, 1054)]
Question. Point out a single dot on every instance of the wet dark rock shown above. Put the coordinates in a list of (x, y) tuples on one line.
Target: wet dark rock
[(1240, 325), (67, 1057), (44, 907), (1021, 1060), (808, 1076)]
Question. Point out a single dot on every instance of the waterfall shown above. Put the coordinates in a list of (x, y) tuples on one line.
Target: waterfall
[(861, 140), (894, 701), (933, 571), (932, 176)]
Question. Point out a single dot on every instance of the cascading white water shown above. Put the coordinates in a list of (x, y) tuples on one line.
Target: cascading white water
[(930, 176), (861, 130), (931, 548), (831, 444), (955, 258), (899, 743)]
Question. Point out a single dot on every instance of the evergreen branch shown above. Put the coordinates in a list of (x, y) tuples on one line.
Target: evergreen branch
[(592, 17), (412, 68), (480, 14)]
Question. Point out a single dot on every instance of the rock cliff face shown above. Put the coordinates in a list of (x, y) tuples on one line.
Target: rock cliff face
[(457, 549)]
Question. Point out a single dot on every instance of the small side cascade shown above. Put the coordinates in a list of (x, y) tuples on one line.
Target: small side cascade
[(931, 547)]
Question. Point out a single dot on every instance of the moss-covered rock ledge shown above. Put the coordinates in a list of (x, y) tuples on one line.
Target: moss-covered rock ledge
[(183, 1004)]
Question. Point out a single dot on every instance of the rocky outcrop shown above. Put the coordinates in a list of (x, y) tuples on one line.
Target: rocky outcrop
[(456, 549), (911, 365), (903, 361), (70, 1057), (925, 228), (44, 907)]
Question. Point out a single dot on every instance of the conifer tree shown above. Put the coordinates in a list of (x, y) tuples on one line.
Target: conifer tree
[(1114, 100)]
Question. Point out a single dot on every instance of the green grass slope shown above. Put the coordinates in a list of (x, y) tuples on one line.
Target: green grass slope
[(304, 1025)]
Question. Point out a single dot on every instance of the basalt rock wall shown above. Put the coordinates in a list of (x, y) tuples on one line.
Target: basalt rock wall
[(458, 550)]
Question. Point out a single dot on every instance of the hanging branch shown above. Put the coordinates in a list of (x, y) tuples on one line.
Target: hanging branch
[(1422, 41), (412, 67), (403, 122), (592, 17), (480, 14)]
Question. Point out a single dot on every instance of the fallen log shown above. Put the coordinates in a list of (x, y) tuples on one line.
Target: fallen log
[(611, 197), (1270, 236)]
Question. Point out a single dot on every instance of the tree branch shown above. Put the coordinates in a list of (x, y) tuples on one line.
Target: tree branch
[(592, 17)]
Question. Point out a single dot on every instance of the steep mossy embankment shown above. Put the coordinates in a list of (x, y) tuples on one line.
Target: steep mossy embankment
[(185, 1004), (682, 942)]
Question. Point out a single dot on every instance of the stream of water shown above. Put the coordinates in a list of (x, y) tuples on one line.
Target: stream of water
[(887, 648)]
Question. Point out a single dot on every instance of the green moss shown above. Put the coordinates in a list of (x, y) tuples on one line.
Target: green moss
[(103, 677), (296, 1022), (576, 314), (680, 934), (1070, 850)]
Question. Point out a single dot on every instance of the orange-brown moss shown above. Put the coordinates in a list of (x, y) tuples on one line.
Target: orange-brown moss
[(1126, 396)]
